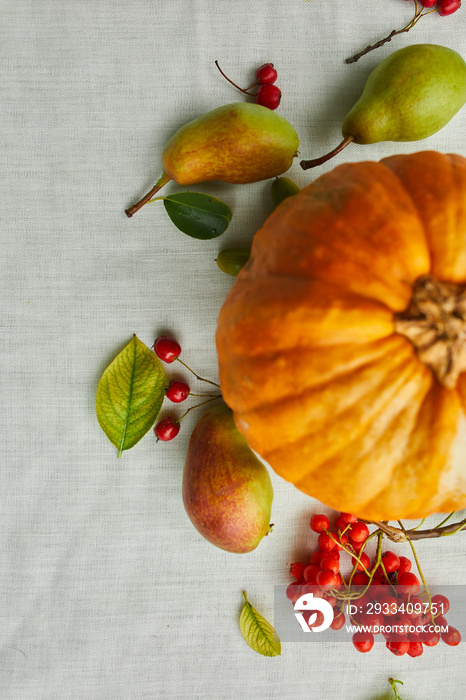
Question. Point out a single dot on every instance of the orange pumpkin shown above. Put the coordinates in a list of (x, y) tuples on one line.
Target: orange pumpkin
[(342, 343)]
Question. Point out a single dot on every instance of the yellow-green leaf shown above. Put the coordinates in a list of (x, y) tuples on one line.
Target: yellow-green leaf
[(130, 394), (258, 633)]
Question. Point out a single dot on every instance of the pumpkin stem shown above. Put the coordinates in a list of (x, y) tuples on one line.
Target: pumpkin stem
[(306, 164), (435, 323)]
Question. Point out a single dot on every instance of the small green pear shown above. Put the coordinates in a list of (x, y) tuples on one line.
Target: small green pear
[(237, 143), (282, 188), (232, 260), (227, 491), (409, 96)]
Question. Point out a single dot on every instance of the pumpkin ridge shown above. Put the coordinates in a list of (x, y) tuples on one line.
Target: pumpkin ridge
[(441, 210), (333, 316), (260, 368), (370, 414), (416, 389), (405, 355), (348, 226), (403, 474)]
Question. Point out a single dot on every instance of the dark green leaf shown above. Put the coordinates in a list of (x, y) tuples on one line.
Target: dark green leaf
[(130, 394), (258, 633), (198, 215)]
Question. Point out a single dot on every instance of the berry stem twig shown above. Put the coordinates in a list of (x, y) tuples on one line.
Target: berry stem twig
[(201, 379), (402, 535), (212, 398), (426, 587), (418, 13), (245, 90)]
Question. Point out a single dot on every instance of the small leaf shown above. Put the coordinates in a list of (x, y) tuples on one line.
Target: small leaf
[(130, 394), (258, 633), (198, 215)]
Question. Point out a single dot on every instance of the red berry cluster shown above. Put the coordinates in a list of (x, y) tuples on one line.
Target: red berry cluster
[(443, 7), (168, 350), (379, 596), (267, 94)]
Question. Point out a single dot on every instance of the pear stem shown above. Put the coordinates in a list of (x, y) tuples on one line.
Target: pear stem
[(158, 186), (234, 84), (306, 164)]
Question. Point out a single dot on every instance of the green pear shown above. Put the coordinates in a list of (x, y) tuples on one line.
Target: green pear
[(282, 188), (411, 95), (237, 143), (232, 260), (227, 490)]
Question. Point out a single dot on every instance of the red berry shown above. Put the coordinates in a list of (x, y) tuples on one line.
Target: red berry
[(316, 557), (325, 543), (360, 578), (341, 525), (348, 518), (297, 569), (370, 621), (359, 532), (177, 391), (343, 539), (330, 599), (408, 583), (415, 648), (452, 637), (363, 641), (338, 621), (365, 562), (447, 7), (293, 591), (327, 579), (266, 73), (167, 349), (330, 562), (439, 621), (403, 622), (415, 607), (310, 573), (357, 546), (398, 644), (390, 561), (268, 96), (427, 3), (318, 621), (405, 565), (388, 604), (430, 638), (319, 523), (440, 604), (167, 429)]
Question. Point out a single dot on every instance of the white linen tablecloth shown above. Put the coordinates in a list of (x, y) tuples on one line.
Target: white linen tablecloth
[(107, 592)]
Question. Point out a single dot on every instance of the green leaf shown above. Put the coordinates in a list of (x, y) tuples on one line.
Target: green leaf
[(258, 633), (198, 215), (130, 394)]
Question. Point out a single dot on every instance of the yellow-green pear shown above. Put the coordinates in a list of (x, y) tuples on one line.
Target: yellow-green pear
[(409, 96), (227, 491), (237, 143)]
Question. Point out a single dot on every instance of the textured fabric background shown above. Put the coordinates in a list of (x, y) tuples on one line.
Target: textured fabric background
[(107, 592)]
